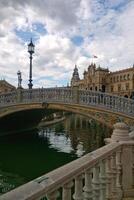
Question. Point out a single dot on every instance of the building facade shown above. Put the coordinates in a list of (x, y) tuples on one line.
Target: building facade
[(101, 79), (6, 87)]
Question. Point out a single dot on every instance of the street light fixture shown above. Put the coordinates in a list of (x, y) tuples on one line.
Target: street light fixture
[(30, 51)]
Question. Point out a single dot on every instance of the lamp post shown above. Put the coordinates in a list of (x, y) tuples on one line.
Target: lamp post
[(30, 51)]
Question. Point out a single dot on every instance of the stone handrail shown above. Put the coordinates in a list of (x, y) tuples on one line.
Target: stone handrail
[(106, 173), (71, 96), (72, 175)]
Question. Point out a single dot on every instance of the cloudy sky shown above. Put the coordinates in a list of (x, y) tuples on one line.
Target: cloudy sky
[(65, 33)]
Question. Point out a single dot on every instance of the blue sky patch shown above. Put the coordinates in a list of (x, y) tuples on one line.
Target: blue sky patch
[(77, 40), (25, 36), (38, 29)]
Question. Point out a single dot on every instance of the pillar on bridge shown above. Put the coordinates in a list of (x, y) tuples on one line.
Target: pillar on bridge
[(75, 94), (19, 95), (121, 134)]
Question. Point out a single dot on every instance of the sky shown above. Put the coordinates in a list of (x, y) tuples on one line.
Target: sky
[(65, 33)]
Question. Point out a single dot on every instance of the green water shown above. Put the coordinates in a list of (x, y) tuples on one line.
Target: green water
[(28, 155)]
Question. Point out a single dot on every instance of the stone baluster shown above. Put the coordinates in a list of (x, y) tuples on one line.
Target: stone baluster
[(133, 166), (97, 98), (113, 168), (104, 99), (66, 194), (88, 185), (53, 195), (131, 105), (109, 179), (78, 195), (118, 175), (96, 183), (103, 180), (106, 103), (92, 98), (116, 103)]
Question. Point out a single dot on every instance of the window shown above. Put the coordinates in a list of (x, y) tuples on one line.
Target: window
[(128, 77), (127, 86), (120, 78), (124, 77), (119, 87), (117, 78), (112, 88)]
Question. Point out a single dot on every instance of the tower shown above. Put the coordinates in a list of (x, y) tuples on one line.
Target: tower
[(75, 77)]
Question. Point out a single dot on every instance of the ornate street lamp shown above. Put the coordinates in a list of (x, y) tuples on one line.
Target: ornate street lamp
[(30, 51)]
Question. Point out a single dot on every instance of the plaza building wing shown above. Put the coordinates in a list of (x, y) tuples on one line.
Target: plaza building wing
[(6, 87), (101, 79)]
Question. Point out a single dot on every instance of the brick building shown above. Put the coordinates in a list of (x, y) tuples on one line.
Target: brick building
[(101, 79), (6, 87)]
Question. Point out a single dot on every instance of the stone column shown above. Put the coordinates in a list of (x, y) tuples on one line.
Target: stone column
[(66, 194), (75, 94), (124, 159), (96, 182), (53, 196), (78, 195), (88, 185), (19, 95)]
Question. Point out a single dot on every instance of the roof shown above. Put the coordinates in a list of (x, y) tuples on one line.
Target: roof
[(4, 82)]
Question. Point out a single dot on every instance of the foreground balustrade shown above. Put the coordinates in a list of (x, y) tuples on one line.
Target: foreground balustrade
[(100, 175)]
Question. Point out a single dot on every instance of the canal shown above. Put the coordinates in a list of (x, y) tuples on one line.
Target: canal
[(30, 154)]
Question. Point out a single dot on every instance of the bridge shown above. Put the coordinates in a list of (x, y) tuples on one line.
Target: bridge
[(100, 106), (104, 174)]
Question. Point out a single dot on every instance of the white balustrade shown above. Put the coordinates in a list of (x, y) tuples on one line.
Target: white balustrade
[(67, 193), (96, 182), (109, 179), (88, 185), (69, 95), (78, 195), (100, 175), (103, 179)]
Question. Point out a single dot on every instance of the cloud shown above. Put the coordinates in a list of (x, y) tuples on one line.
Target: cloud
[(65, 33)]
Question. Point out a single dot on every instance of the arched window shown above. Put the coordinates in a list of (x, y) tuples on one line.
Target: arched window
[(112, 88), (117, 78), (119, 87), (128, 76)]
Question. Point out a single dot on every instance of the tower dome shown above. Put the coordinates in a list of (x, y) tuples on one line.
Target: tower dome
[(75, 76)]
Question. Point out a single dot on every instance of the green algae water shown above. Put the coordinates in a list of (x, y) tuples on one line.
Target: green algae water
[(30, 154)]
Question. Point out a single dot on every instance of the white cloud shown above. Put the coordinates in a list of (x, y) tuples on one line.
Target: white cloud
[(107, 28)]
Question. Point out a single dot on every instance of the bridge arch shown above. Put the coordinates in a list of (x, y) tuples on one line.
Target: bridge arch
[(97, 105)]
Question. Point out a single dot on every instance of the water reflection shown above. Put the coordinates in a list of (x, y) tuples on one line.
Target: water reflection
[(76, 134), (26, 156)]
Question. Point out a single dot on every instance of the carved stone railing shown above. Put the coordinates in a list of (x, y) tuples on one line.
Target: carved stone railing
[(71, 96), (104, 174)]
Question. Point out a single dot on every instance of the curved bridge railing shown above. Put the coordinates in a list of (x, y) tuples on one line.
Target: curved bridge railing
[(71, 96)]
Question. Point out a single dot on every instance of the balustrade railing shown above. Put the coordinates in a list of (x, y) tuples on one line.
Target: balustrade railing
[(69, 95), (99, 175), (85, 178)]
